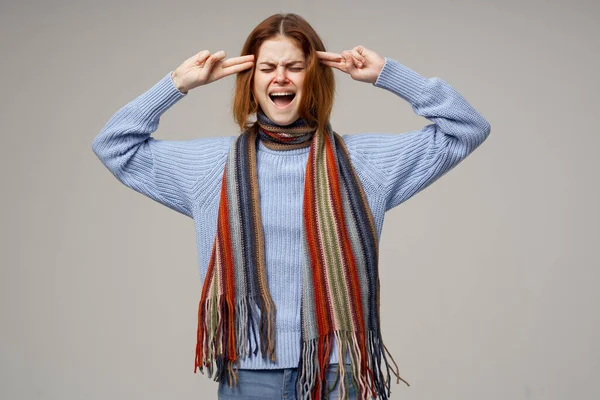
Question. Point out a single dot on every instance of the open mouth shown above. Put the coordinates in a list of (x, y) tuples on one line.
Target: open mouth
[(283, 99)]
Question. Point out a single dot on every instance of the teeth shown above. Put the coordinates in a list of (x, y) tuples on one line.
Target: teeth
[(281, 94)]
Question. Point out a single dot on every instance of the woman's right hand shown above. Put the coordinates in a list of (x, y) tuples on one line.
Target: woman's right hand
[(204, 68)]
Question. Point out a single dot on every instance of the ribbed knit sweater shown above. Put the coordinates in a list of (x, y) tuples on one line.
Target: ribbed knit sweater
[(186, 177)]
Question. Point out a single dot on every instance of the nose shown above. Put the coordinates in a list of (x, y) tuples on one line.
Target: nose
[(280, 75)]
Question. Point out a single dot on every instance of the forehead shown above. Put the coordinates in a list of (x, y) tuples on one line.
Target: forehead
[(279, 49)]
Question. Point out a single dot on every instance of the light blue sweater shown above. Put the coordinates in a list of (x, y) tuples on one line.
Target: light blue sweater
[(186, 176)]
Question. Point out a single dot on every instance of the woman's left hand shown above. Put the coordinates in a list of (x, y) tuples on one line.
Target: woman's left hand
[(360, 63)]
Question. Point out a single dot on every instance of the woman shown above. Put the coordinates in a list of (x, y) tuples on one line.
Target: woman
[(289, 213)]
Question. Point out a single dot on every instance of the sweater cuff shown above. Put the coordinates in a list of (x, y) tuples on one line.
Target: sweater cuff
[(401, 80), (160, 97)]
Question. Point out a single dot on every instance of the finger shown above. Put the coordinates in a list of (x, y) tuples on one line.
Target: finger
[(360, 60), (201, 57), (350, 61), (237, 60), (214, 60), (353, 57), (325, 55), (348, 57), (234, 69), (335, 64), (361, 49), (218, 56)]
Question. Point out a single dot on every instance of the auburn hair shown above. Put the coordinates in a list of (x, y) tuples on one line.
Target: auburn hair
[(319, 84)]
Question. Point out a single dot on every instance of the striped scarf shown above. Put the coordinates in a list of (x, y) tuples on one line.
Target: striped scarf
[(340, 282)]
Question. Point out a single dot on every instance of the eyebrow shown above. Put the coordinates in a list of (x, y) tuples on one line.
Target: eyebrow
[(271, 64)]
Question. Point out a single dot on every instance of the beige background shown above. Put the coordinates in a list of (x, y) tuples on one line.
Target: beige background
[(489, 277)]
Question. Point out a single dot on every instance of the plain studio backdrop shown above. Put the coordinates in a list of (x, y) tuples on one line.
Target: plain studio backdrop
[(489, 277)]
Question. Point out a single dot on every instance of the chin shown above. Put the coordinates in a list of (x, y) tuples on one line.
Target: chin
[(283, 120)]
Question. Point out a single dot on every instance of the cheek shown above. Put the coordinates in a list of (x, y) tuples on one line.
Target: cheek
[(300, 82), (299, 79), (260, 84)]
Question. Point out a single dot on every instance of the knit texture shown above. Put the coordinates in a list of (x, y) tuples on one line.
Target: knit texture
[(186, 177)]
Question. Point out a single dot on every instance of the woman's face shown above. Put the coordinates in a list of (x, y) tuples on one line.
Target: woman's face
[(279, 78)]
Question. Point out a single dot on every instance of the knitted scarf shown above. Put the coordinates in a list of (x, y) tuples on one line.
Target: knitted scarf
[(340, 282)]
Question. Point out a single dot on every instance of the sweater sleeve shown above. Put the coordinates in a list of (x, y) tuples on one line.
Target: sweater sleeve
[(407, 163), (166, 171)]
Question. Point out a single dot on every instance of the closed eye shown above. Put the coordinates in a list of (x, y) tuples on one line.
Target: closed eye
[(296, 69)]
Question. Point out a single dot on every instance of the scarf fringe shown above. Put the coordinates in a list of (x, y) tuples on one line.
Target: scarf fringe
[(219, 348), (366, 369), (267, 330)]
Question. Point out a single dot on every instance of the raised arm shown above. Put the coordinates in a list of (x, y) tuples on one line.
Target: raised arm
[(166, 171), (407, 163)]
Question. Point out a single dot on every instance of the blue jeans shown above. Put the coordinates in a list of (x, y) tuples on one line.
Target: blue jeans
[(267, 384)]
